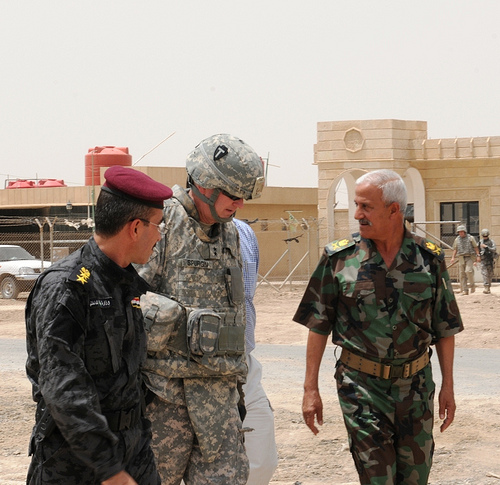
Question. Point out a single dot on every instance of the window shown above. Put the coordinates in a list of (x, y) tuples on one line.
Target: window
[(466, 213)]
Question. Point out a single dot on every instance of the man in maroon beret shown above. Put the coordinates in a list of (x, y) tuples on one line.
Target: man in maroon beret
[(86, 345)]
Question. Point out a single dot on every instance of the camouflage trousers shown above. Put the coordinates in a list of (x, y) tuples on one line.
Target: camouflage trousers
[(487, 273), (53, 462), (389, 423), (177, 449)]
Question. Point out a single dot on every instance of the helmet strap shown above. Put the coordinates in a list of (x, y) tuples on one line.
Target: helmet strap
[(211, 203)]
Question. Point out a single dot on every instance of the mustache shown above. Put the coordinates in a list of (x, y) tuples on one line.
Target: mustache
[(364, 222)]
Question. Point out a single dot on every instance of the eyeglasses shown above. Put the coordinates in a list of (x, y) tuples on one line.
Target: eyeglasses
[(162, 227), (230, 196)]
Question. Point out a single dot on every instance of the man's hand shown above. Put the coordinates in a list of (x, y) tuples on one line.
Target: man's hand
[(447, 407), (121, 478), (312, 408)]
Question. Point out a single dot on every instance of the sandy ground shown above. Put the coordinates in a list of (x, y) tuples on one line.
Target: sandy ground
[(467, 453)]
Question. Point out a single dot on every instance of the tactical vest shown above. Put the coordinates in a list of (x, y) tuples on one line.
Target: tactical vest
[(203, 274), (464, 246)]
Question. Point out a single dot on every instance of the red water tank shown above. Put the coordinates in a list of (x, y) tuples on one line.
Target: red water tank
[(51, 183), (20, 184), (104, 157)]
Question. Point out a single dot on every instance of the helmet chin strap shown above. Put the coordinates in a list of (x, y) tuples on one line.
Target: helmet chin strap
[(211, 203)]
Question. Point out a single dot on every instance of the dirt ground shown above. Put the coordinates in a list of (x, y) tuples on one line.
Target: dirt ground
[(467, 453)]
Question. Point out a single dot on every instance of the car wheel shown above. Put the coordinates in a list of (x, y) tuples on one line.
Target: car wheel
[(9, 288)]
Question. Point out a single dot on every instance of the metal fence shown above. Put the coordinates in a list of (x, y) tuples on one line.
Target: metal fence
[(289, 248), (48, 239)]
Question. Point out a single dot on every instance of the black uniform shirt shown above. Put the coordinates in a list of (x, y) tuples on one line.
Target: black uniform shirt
[(86, 343)]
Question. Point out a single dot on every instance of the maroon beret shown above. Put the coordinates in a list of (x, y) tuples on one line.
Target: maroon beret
[(134, 185)]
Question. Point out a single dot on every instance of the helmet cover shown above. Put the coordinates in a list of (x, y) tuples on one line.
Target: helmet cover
[(227, 163)]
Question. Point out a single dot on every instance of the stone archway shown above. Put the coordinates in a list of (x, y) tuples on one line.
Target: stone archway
[(416, 196), (349, 177)]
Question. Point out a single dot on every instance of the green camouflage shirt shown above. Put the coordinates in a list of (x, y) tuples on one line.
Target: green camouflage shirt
[(383, 313)]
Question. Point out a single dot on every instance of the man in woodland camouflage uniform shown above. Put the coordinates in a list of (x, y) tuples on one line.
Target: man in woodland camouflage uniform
[(86, 344), (488, 252), (196, 319), (465, 247), (386, 297)]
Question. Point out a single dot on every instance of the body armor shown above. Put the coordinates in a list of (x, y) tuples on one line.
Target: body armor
[(201, 274)]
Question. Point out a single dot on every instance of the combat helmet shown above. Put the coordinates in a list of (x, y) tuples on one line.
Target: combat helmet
[(225, 163), (461, 228), (485, 232)]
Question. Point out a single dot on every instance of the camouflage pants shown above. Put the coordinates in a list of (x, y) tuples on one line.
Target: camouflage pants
[(487, 273), (178, 452), (54, 463), (389, 424)]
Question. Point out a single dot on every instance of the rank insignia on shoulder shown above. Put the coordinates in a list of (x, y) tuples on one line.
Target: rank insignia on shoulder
[(433, 248), (336, 246), (80, 275), (136, 302)]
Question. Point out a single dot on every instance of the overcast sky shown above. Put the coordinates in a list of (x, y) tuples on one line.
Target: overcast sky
[(79, 74)]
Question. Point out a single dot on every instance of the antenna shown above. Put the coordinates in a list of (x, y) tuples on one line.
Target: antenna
[(155, 147)]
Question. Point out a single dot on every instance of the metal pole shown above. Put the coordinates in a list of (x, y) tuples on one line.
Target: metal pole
[(41, 240)]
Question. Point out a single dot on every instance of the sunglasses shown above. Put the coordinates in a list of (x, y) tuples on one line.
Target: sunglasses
[(230, 196)]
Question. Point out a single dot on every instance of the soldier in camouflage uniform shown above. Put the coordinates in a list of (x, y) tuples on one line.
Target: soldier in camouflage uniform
[(386, 298), (488, 253), (86, 343), (465, 247), (196, 319)]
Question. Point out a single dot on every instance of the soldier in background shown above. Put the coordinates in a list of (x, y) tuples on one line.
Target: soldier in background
[(385, 297), (196, 319), (488, 252), (86, 344), (465, 246)]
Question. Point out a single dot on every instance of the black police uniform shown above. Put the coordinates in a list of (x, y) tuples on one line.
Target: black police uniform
[(86, 343)]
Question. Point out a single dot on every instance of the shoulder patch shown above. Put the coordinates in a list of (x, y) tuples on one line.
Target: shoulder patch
[(80, 274), (338, 245), (432, 248)]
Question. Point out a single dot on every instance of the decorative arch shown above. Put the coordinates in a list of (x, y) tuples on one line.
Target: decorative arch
[(416, 196), (349, 176)]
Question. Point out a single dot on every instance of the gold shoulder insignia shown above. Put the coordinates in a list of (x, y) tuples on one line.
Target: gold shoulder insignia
[(83, 276), (336, 246), (433, 248)]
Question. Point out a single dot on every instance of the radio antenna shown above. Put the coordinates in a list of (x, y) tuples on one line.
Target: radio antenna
[(155, 147)]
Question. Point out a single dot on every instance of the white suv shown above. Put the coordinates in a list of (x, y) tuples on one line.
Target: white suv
[(18, 270)]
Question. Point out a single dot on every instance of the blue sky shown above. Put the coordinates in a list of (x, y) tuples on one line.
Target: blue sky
[(79, 74)]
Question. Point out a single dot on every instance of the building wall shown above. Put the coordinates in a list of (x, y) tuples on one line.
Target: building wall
[(276, 210)]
